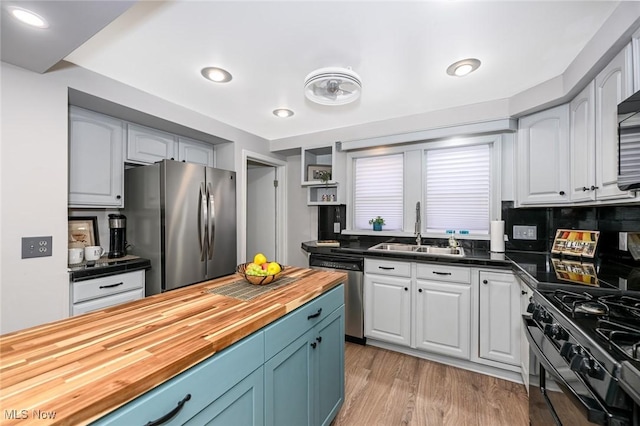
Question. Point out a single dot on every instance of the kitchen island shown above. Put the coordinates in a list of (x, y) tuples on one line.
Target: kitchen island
[(79, 369)]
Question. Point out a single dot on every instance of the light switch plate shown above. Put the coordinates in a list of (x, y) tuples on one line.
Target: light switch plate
[(525, 232), (36, 247)]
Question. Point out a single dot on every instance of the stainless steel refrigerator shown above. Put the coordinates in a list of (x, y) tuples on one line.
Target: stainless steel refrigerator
[(182, 217)]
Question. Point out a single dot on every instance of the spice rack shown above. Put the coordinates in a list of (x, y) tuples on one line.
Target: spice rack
[(572, 242)]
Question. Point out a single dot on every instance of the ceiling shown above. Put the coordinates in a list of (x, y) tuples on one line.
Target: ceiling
[(401, 51)]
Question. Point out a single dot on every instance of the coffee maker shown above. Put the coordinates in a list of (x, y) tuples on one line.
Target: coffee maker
[(117, 236)]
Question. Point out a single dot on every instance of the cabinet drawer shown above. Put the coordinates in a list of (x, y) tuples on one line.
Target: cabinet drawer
[(284, 331), (443, 273), (105, 286), (205, 383), (387, 267), (107, 301)]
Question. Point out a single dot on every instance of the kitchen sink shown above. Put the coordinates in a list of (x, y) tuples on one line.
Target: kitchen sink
[(394, 247), (449, 251), (416, 249)]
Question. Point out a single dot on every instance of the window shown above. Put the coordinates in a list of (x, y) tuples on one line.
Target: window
[(378, 190), (457, 189)]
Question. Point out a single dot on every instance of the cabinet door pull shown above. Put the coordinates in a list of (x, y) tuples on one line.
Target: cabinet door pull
[(441, 273), (313, 345), (419, 290), (319, 339), (111, 285), (523, 292), (594, 187), (406, 289), (118, 197), (561, 192), (485, 282), (316, 315), (386, 268), (584, 188), (171, 414)]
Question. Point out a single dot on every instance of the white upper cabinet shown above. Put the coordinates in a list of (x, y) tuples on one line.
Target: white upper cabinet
[(613, 85), (583, 145), (543, 157), (147, 146), (96, 169), (197, 152)]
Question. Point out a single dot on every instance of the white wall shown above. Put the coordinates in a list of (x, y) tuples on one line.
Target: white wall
[(302, 223), (33, 178), (261, 208)]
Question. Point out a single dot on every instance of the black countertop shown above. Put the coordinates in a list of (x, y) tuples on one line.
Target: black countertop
[(106, 267), (533, 268)]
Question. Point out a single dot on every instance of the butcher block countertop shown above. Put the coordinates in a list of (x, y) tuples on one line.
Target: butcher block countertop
[(81, 368)]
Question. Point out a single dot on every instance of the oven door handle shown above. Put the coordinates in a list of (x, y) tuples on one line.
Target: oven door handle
[(596, 414)]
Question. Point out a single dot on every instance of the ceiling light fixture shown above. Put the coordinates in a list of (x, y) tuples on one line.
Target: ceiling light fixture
[(332, 86), (28, 17), (282, 112), (216, 74), (463, 67)]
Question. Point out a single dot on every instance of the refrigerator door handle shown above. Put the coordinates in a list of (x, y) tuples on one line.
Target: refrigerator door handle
[(212, 220), (202, 222)]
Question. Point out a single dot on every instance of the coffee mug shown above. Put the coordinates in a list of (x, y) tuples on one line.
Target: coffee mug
[(75, 255), (93, 252)]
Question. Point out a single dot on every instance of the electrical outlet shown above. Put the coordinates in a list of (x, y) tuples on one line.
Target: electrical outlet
[(36, 247), (623, 241), (525, 232)]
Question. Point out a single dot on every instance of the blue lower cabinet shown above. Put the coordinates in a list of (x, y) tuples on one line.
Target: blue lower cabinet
[(291, 373), (242, 405), (304, 383), (287, 385), (330, 365), (181, 398)]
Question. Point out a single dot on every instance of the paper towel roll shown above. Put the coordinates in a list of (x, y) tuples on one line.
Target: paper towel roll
[(497, 236)]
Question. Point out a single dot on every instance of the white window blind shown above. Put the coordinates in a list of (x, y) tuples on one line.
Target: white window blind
[(378, 190), (458, 188)]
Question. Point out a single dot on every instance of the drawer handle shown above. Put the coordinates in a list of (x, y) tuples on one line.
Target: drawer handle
[(386, 268), (111, 285), (441, 273), (170, 414), (316, 315)]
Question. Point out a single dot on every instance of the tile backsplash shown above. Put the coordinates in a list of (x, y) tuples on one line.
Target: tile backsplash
[(609, 220)]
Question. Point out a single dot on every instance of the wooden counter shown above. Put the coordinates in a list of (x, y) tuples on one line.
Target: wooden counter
[(81, 368)]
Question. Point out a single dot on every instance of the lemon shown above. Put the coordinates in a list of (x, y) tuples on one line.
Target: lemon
[(273, 268), (259, 259)]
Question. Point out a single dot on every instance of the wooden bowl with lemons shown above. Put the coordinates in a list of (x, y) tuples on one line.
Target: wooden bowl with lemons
[(254, 272)]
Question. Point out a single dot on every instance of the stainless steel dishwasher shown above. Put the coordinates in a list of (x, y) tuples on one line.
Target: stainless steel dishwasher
[(353, 299)]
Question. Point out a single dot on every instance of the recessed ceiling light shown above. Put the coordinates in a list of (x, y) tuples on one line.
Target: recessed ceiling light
[(463, 67), (28, 17), (218, 75), (282, 112)]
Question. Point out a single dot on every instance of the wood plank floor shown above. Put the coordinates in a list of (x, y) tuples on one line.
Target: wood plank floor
[(388, 388)]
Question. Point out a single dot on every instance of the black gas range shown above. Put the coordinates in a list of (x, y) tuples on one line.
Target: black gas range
[(584, 335)]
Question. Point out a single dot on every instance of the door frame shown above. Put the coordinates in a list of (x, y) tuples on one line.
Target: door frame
[(281, 205)]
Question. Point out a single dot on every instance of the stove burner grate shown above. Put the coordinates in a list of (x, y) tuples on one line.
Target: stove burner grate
[(581, 303), (621, 336), (629, 304)]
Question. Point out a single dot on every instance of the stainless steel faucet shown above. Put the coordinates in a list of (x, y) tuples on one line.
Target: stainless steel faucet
[(418, 224)]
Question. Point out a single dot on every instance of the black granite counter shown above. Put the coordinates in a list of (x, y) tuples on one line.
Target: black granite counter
[(105, 267), (533, 268), (473, 256)]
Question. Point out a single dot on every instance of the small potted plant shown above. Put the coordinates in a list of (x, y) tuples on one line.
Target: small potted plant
[(325, 176), (377, 223)]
